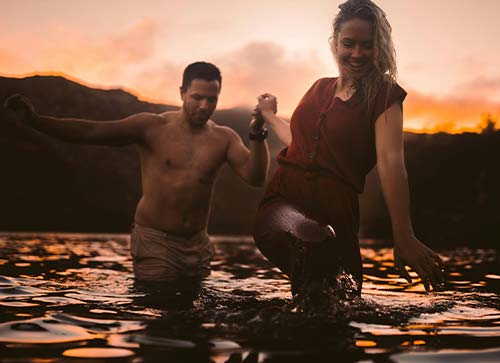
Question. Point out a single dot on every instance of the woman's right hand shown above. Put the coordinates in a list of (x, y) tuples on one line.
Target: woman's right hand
[(267, 103), (425, 262)]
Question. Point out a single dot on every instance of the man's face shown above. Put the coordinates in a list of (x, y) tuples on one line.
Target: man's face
[(199, 101)]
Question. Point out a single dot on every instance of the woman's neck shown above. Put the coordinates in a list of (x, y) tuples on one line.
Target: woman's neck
[(344, 87), (345, 83)]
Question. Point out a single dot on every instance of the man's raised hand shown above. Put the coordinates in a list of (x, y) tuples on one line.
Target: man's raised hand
[(21, 105)]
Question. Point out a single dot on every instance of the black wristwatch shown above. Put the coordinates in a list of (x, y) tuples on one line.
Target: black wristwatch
[(259, 136)]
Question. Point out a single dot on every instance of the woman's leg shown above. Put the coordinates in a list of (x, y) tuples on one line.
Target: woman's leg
[(296, 243)]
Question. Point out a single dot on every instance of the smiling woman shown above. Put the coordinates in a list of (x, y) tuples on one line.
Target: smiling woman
[(339, 130), (363, 48)]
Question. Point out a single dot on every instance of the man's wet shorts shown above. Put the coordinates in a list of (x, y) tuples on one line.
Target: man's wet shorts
[(159, 256)]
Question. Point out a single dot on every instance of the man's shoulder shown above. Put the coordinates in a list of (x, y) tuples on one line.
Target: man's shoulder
[(155, 120), (167, 116), (223, 131), (218, 128), (146, 118)]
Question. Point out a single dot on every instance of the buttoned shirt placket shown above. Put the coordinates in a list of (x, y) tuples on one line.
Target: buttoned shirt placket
[(313, 151)]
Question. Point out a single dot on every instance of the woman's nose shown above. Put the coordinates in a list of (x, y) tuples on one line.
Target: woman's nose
[(357, 52)]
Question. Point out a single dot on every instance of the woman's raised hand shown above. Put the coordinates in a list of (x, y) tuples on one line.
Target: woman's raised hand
[(267, 103)]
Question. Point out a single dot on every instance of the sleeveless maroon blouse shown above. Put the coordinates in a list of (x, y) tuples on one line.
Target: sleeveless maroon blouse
[(335, 137)]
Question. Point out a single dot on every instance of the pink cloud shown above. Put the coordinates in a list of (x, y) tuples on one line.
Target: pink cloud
[(481, 87), (266, 67), (247, 72)]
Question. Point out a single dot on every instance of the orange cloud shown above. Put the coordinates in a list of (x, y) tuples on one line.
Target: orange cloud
[(9, 62), (106, 60), (429, 113)]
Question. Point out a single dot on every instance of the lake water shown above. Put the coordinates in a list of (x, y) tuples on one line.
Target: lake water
[(72, 298)]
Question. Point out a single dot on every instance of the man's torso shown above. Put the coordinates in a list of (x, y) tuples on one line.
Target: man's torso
[(179, 167)]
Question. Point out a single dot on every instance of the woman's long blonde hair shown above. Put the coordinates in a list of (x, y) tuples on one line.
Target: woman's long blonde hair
[(384, 64)]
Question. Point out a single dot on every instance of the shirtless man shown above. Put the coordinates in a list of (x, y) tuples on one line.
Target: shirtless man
[(181, 153)]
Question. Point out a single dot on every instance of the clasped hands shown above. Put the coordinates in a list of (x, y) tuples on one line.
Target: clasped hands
[(266, 103)]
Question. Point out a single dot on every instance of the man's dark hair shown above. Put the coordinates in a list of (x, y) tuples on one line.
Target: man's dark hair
[(200, 70)]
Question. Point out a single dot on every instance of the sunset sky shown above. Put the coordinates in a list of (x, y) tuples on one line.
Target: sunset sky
[(448, 50)]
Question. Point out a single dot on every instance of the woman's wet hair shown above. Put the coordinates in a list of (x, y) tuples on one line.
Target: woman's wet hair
[(200, 70), (384, 61)]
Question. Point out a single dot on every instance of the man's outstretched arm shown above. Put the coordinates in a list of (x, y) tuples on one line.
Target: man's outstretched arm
[(129, 130)]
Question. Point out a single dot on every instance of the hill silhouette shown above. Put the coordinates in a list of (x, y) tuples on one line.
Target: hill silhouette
[(47, 184)]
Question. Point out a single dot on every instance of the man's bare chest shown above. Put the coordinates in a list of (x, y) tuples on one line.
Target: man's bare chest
[(203, 153)]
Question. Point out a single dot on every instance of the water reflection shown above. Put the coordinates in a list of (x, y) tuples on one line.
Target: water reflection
[(74, 296)]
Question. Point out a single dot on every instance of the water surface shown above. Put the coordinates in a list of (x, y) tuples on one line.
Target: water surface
[(64, 297)]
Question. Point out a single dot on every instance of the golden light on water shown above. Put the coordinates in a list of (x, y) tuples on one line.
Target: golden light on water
[(393, 276), (492, 276), (478, 284), (401, 318), (17, 304), (413, 342), (365, 343), (98, 353)]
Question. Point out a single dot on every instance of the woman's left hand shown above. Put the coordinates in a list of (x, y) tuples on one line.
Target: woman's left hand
[(424, 261)]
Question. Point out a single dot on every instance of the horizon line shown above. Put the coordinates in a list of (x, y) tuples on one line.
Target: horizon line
[(478, 129)]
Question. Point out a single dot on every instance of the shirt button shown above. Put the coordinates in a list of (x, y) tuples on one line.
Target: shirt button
[(315, 137), (310, 155)]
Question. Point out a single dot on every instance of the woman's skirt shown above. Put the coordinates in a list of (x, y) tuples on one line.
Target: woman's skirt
[(293, 228)]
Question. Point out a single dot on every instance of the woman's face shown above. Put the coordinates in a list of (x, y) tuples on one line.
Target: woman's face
[(354, 48)]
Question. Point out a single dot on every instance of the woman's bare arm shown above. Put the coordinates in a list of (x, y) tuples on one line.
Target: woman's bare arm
[(408, 250)]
